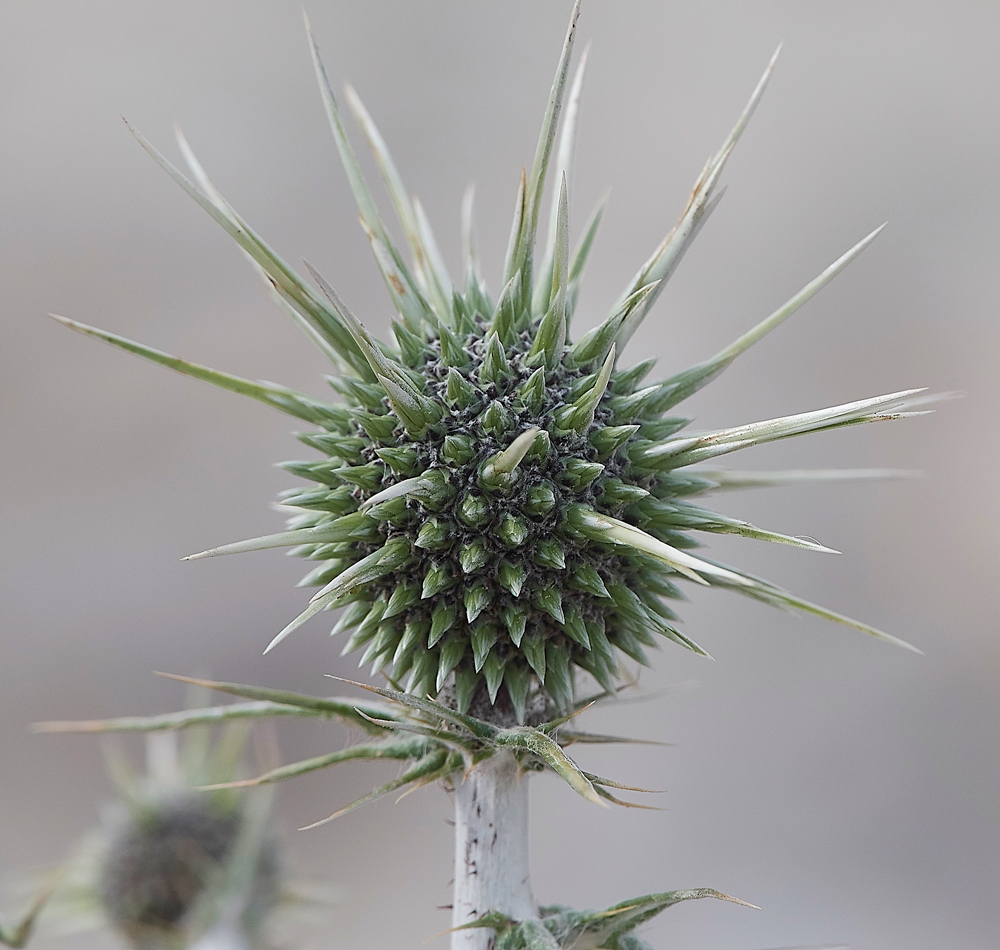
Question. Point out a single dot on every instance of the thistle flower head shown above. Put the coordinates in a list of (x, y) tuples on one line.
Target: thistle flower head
[(499, 503)]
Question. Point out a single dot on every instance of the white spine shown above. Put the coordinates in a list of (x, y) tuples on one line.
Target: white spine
[(491, 849)]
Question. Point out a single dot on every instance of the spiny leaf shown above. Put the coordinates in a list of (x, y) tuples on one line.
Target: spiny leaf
[(271, 394), (775, 596), (667, 256), (178, 720), (735, 481), (436, 763), (596, 344), (362, 195), (467, 723), (520, 259), (285, 281), (429, 269), (542, 293), (605, 528), (392, 749), (580, 414), (345, 709), (539, 744), (414, 410), (688, 382), (599, 928), (692, 449), (350, 527)]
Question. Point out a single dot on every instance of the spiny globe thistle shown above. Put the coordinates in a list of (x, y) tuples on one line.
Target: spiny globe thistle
[(497, 506)]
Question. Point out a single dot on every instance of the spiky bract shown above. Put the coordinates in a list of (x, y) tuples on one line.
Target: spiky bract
[(497, 507)]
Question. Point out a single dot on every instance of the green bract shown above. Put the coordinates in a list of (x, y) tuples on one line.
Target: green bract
[(497, 503)]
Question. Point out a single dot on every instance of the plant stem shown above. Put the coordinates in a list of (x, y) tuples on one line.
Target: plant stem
[(491, 850)]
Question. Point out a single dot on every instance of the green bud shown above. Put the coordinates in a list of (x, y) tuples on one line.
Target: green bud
[(494, 368), (436, 580), (474, 510), (515, 617), (575, 626), (578, 474), (549, 553), (493, 671), (394, 511), (379, 427), (585, 578), (518, 681), (662, 428), (369, 477), (609, 438), (483, 635), (452, 352), (443, 618), (624, 381), (452, 651), (512, 576), (458, 449), (459, 391), (541, 499), (558, 681), (367, 395), (476, 600), (405, 595), (411, 347), (533, 649), (617, 492), (414, 633), (421, 681), (531, 394), (634, 406), (433, 535), (473, 556), (512, 530), (402, 459), (433, 490), (465, 687), (496, 419), (550, 600)]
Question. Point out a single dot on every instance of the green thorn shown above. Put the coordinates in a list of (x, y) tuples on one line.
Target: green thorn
[(443, 618), (483, 635), (512, 576), (585, 578), (474, 510), (433, 535), (436, 580), (458, 449), (531, 395), (540, 500), (512, 530), (473, 556), (578, 474), (550, 600), (515, 617), (476, 600), (549, 553), (533, 649)]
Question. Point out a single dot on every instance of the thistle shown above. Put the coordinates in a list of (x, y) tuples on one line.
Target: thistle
[(174, 865), (500, 505)]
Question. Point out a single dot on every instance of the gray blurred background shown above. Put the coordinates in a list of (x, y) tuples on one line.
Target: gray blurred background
[(847, 787)]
